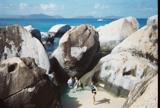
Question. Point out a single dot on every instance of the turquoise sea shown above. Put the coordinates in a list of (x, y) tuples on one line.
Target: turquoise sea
[(45, 24)]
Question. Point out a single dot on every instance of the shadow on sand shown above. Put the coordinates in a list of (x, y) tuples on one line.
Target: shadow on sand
[(104, 100), (69, 102)]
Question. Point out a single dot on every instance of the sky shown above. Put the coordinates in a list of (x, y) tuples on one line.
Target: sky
[(73, 8)]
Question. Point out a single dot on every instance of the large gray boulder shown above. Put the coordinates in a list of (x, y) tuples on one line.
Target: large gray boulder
[(24, 85), (144, 43), (47, 37), (17, 41), (35, 32), (129, 62), (145, 92), (59, 29), (120, 72), (115, 32), (153, 20), (77, 49)]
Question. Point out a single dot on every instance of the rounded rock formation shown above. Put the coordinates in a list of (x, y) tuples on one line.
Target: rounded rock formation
[(35, 32), (59, 29), (129, 62), (76, 49), (153, 20), (24, 85), (115, 32), (15, 41)]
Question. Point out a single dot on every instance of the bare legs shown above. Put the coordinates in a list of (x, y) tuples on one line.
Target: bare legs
[(94, 99)]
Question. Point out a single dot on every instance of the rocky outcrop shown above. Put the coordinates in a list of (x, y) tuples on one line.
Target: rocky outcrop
[(59, 29), (143, 43), (120, 72), (153, 20), (77, 49), (35, 32), (60, 76), (17, 41), (24, 85), (129, 62), (115, 32), (47, 38), (50, 39), (144, 94)]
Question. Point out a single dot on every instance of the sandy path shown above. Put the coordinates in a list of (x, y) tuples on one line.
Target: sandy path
[(83, 99)]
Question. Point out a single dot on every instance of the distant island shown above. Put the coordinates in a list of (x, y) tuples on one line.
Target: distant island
[(32, 16), (84, 17), (41, 16), (44, 16)]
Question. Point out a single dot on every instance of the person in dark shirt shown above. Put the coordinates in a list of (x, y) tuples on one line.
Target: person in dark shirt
[(94, 91)]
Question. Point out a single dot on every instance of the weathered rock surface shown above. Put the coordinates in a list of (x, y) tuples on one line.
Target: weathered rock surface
[(144, 43), (129, 62), (24, 85), (60, 76), (59, 29), (144, 94), (35, 32), (120, 72), (77, 49), (153, 20), (54, 33), (17, 41), (47, 38), (115, 32)]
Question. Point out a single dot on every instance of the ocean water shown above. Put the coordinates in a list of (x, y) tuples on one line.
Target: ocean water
[(45, 24)]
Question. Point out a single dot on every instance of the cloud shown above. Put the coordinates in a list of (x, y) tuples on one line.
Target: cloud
[(100, 6), (23, 6), (99, 9), (44, 8), (48, 7)]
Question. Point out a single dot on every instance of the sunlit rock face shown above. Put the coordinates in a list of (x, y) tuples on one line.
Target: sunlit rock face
[(130, 62), (153, 20), (76, 49), (132, 59), (144, 94), (15, 41), (115, 32)]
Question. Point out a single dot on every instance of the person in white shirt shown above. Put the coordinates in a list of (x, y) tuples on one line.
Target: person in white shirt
[(70, 82)]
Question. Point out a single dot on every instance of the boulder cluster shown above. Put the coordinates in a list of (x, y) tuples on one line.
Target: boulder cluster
[(120, 57)]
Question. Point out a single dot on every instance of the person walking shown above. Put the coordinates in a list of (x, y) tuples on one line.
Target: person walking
[(94, 91)]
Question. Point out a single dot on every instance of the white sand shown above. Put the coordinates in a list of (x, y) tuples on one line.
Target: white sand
[(83, 99)]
